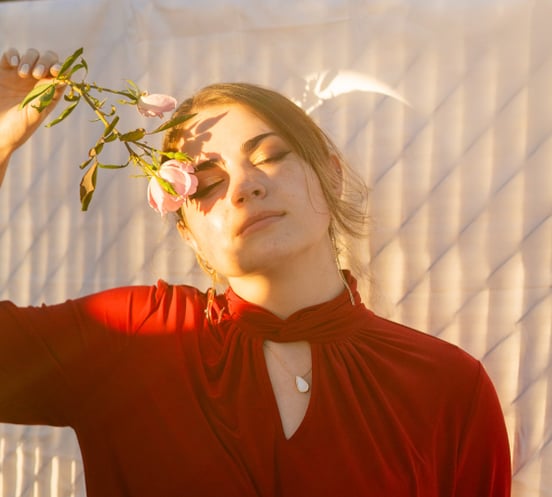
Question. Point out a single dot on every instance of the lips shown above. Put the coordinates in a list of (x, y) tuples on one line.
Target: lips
[(258, 221)]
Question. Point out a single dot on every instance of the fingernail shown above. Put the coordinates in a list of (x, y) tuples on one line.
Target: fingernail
[(38, 71), (14, 60), (55, 68), (24, 69)]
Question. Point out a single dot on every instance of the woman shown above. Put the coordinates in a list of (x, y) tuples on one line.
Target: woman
[(286, 385)]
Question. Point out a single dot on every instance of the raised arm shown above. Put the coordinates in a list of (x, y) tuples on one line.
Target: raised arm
[(18, 75)]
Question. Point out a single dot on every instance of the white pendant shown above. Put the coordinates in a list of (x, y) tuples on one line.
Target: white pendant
[(301, 384)]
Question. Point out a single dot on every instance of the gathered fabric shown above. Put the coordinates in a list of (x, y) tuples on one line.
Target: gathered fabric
[(322, 323), (166, 403)]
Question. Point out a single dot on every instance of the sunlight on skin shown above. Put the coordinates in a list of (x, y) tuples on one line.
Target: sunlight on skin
[(259, 216)]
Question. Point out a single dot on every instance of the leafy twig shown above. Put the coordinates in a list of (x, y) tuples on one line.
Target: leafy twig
[(140, 154)]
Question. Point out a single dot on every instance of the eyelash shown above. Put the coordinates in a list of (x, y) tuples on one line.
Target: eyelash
[(273, 158), (205, 191)]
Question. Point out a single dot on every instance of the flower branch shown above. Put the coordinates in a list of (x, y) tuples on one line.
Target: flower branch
[(170, 182)]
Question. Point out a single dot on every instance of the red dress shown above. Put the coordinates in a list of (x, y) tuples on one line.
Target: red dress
[(164, 404)]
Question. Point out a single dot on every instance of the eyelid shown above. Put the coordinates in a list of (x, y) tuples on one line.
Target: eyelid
[(273, 157), (206, 164), (253, 143), (207, 172), (205, 190)]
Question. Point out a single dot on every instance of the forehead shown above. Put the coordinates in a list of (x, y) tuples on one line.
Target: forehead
[(220, 129)]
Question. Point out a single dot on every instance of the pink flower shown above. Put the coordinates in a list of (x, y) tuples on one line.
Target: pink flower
[(155, 105), (180, 176)]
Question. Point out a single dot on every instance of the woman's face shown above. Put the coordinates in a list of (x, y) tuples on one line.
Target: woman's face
[(258, 206)]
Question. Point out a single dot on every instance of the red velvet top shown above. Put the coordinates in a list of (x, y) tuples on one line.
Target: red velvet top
[(165, 404)]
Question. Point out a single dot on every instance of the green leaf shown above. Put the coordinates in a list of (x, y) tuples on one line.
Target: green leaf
[(172, 123), (63, 115), (69, 62), (166, 186), (97, 149), (36, 92), (177, 156), (155, 165), (113, 166), (85, 163), (99, 103), (88, 185), (71, 96), (133, 88), (111, 126), (133, 99), (80, 65), (45, 99), (133, 136)]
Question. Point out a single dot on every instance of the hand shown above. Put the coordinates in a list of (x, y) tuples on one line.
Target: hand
[(18, 76)]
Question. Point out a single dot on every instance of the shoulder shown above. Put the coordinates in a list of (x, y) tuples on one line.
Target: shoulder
[(443, 394), (424, 374), (411, 340), (428, 362), (152, 296), (160, 306)]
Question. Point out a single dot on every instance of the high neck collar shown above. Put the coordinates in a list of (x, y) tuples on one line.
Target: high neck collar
[(323, 322)]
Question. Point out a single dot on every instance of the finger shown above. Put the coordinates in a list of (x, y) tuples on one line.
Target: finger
[(46, 64), (27, 62), (54, 70), (10, 58)]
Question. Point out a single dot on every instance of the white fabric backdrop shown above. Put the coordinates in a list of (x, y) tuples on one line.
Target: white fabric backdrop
[(461, 176)]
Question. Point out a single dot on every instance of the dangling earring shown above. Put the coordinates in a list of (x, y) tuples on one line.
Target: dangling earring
[(338, 264), (212, 291), (207, 268), (211, 294)]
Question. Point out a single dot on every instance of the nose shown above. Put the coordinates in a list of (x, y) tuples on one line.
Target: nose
[(248, 185)]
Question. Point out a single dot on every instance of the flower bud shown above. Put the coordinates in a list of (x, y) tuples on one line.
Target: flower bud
[(184, 182), (155, 105)]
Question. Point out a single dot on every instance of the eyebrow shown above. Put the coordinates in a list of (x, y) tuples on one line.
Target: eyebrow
[(251, 144), (247, 147)]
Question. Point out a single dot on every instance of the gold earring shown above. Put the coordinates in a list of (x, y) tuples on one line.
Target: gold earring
[(207, 268), (212, 291), (338, 264)]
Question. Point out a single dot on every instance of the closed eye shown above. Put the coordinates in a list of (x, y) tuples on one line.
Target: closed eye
[(273, 158), (203, 192), (209, 175)]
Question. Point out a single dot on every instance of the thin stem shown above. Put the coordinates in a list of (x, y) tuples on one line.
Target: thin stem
[(101, 89), (88, 100), (137, 159)]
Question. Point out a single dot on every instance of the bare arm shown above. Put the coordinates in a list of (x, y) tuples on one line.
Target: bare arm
[(18, 75)]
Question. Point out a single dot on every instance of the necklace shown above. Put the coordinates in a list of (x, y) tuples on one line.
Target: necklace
[(301, 383)]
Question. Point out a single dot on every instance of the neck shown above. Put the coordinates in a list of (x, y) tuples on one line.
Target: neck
[(283, 291)]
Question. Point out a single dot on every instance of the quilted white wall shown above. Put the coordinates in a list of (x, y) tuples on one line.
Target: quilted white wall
[(460, 172)]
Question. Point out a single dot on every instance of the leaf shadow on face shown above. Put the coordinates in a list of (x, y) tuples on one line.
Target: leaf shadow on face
[(194, 137), (192, 142)]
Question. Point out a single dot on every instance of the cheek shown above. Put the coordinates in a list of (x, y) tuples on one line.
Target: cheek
[(315, 196), (208, 230)]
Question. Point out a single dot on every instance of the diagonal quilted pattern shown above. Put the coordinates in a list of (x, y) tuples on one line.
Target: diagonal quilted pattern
[(455, 142)]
